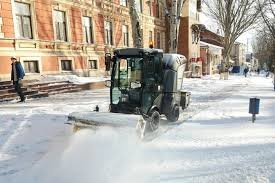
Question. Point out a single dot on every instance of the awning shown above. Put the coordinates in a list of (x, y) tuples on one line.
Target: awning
[(213, 48), (202, 44)]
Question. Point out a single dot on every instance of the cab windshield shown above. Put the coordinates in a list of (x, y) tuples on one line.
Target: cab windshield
[(129, 72)]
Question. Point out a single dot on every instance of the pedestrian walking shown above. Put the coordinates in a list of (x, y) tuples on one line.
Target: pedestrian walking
[(267, 73), (17, 75), (245, 71)]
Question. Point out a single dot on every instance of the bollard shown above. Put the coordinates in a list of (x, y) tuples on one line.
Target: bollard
[(254, 105)]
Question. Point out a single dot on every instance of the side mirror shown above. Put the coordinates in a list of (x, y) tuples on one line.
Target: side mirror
[(108, 60), (108, 83)]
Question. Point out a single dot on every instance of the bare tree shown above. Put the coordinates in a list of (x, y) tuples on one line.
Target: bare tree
[(265, 41), (268, 15), (263, 47), (234, 17), (173, 10)]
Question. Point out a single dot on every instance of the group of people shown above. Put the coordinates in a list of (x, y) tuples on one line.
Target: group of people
[(246, 70)]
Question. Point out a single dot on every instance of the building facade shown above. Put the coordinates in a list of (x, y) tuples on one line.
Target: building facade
[(189, 35), (238, 54), (252, 62), (211, 52), (71, 37)]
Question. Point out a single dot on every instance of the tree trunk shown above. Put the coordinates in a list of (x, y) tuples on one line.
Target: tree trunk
[(174, 23), (136, 27)]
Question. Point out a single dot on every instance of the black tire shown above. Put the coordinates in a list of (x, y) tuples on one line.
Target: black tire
[(154, 120), (173, 116)]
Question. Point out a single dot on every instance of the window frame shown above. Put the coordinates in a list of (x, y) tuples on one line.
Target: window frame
[(65, 24), (90, 65), (70, 65), (27, 67), (157, 9), (123, 3), (85, 40), (20, 25), (150, 8), (139, 5), (150, 36), (108, 33), (125, 34), (158, 40)]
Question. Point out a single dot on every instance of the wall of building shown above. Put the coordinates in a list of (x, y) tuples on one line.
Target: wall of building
[(211, 52), (205, 64), (238, 54), (186, 45), (48, 52)]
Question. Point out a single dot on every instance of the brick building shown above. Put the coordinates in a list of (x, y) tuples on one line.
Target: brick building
[(62, 36), (189, 35)]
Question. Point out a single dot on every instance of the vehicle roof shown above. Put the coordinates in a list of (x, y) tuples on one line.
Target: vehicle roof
[(135, 51), (173, 61)]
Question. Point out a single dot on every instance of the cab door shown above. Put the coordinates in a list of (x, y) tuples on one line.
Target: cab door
[(115, 92), (152, 79)]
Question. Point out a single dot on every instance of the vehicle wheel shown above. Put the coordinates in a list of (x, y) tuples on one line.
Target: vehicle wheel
[(173, 116), (154, 120)]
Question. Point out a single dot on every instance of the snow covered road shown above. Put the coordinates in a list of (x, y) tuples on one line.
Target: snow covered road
[(216, 143)]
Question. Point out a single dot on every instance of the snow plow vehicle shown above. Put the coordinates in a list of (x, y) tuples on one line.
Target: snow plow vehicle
[(144, 82)]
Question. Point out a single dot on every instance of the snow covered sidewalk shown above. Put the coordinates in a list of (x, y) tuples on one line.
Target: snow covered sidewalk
[(217, 143), (221, 144)]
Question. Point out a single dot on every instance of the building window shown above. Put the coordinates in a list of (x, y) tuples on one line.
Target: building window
[(157, 9), (139, 5), (193, 37), (31, 66), (125, 35), (88, 30), (66, 65), (123, 2), (60, 25), (150, 37), (108, 33), (158, 40), (199, 7), (93, 64), (150, 8), (23, 20), (163, 40)]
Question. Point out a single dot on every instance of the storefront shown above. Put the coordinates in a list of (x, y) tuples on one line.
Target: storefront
[(211, 56)]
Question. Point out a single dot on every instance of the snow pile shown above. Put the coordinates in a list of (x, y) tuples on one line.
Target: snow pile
[(72, 78), (110, 155)]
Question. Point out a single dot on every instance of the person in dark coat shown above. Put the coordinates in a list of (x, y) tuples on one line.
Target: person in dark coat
[(245, 71), (17, 75)]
